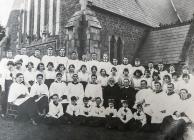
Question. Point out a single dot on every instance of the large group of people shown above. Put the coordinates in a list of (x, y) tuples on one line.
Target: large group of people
[(97, 93)]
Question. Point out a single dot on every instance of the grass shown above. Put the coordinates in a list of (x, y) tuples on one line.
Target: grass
[(12, 130)]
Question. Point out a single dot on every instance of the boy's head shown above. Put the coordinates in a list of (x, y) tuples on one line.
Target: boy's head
[(124, 103), (98, 101), (85, 100), (75, 78), (39, 78), (59, 76), (55, 99), (186, 77), (111, 103), (73, 100)]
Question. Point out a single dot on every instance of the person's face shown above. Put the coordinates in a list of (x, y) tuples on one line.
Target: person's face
[(62, 68), (50, 51), (71, 69), (125, 105), (170, 88), (160, 66), (147, 74), (111, 105), (94, 57), (73, 56), (137, 74), (10, 67), (186, 79), (105, 57), (39, 79), (175, 77), (98, 102), (30, 66), (126, 73), (41, 67), (62, 52), (85, 103), (137, 63), (50, 67), (23, 51), (18, 66), (166, 80), (155, 77), (84, 69), (150, 65), (73, 102), (103, 72), (143, 85), (111, 81), (183, 94), (37, 53), (94, 70), (9, 54), (126, 83), (75, 78), (115, 62), (114, 71), (59, 77), (172, 68), (125, 61), (20, 79), (157, 87), (93, 79), (55, 99)]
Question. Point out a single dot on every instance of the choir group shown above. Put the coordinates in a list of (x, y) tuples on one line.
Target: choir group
[(97, 93)]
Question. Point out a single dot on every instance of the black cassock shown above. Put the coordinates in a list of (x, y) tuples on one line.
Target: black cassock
[(129, 95), (112, 92)]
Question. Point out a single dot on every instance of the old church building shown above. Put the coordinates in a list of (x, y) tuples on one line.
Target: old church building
[(153, 30)]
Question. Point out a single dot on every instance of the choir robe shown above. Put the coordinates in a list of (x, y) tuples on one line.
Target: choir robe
[(72, 110), (105, 65), (24, 58), (122, 67), (93, 63), (159, 102), (34, 60), (61, 60), (112, 92), (29, 78), (41, 94), (93, 90), (116, 77), (98, 112), (103, 81), (143, 96), (77, 90), (83, 78), (141, 68), (111, 112), (140, 117), (49, 77), (4, 61), (47, 58), (25, 105), (128, 93), (111, 117), (136, 83), (6, 81), (69, 78), (76, 63), (61, 89), (125, 115), (55, 111)]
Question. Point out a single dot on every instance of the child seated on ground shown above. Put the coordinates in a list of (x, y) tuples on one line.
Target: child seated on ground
[(140, 117), (126, 117), (55, 114), (97, 113), (72, 111), (111, 115), (84, 114)]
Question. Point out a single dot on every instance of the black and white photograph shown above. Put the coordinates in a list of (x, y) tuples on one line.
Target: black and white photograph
[(96, 69)]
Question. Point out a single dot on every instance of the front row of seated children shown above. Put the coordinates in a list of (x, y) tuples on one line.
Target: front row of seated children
[(95, 114)]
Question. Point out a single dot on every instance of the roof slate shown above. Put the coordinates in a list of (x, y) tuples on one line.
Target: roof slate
[(164, 45)]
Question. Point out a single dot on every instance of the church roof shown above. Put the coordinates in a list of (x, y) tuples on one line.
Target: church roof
[(185, 8), (164, 45)]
